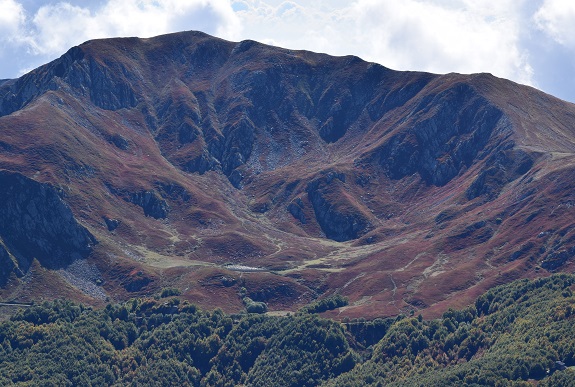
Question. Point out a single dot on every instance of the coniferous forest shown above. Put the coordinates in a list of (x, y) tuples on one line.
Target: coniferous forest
[(520, 334)]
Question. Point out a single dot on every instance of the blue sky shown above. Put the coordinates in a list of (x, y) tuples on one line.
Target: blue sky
[(528, 41)]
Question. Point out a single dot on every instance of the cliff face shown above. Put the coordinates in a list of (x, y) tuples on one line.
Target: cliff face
[(339, 218), (445, 133), (36, 224), (405, 187), (104, 83), (7, 266)]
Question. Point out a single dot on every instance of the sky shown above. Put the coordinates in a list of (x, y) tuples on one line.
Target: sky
[(528, 41)]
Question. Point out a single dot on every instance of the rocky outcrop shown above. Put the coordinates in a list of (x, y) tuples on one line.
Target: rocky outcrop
[(337, 113), (296, 209), (444, 134), (108, 89), (108, 85), (136, 283), (7, 266), (152, 204), (556, 259), (501, 168), (119, 142), (338, 218), (471, 235), (558, 249), (174, 191), (35, 223), (111, 223), (239, 141)]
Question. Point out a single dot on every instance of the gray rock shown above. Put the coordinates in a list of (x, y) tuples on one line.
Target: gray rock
[(444, 137), (36, 223), (112, 224), (296, 209), (336, 222), (502, 168), (152, 204), (7, 265)]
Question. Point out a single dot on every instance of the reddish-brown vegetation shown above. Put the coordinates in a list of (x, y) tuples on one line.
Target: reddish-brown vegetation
[(399, 190)]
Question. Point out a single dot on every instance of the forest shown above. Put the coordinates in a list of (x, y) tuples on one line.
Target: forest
[(519, 334)]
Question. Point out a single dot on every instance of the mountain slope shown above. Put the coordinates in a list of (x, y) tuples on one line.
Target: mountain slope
[(182, 153)]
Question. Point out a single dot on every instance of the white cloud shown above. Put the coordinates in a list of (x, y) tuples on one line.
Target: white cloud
[(432, 35), (557, 18), (56, 27), (12, 18), (435, 37)]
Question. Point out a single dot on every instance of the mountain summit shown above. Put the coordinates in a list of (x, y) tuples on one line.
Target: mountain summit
[(220, 168)]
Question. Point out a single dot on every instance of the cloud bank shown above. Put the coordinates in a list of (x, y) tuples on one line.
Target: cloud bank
[(557, 18), (61, 25), (436, 36)]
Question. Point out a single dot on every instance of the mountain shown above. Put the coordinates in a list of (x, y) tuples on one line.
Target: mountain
[(221, 168)]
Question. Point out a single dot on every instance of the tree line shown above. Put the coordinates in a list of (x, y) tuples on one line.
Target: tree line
[(513, 335)]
